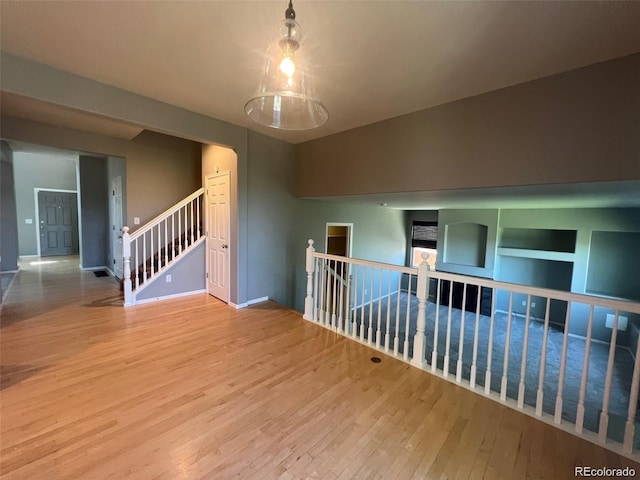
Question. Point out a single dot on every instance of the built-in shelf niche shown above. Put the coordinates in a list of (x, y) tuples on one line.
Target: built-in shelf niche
[(466, 244), (538, 239)]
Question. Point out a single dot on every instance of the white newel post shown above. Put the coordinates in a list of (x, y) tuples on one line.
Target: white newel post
[(126, 257), (422, 292), (308, 301)]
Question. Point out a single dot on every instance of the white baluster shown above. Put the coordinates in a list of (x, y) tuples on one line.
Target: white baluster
[(193, 227), (422, 292), (563, 362), (370, 329), (629, 428), (179, 232), (461, 339), (543, 361), (341, 325), (137, 264), (308, 301), (323, 276), (448, 338), (144, 257), (396, 338), (434, 353), (585, 374), (173, 236), (405, 351), (474, 367), (364, 282), (198, 200), (505, 360), (354, 323), (186, 228), (334, 294), (159, 249), (151, 247), (166, 242), (487, 375), (378, 333), (387, 337), (525, 347), (126, 266), (604, 415), (347, 319)]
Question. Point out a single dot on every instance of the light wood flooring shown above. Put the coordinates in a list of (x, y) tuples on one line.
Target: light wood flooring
[(191, 388)]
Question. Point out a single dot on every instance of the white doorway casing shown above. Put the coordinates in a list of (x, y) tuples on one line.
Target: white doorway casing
[(345, 232), (118, 223), (218, 217)]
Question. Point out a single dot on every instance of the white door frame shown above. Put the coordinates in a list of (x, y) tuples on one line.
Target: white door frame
[(231, 244), (116, 265), (349, 235)]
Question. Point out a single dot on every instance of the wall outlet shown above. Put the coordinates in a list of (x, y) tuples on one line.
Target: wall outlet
[(366, 292), (622, 322), (168, 278), (533, 304), (28, 221), (136, 220)]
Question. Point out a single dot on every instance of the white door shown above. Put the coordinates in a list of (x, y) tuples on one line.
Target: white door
[(218, 227), (116, 188)]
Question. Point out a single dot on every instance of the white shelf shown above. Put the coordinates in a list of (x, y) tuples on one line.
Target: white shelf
[(537, 254)]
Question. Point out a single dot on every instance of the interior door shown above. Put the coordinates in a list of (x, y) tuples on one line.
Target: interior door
[(218, 228), (58, 215), (116, 198)]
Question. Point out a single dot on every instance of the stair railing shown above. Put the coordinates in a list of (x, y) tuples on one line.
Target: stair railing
[(480, 333), (157, 244)]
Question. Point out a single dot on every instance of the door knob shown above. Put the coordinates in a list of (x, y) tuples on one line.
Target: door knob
[(224, 245)]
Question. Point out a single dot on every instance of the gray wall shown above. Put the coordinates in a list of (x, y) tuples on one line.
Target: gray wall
[(44, 171), (8, 218), (579, 126), (272, 250), (188, 275), (378, 235), (94, 215)]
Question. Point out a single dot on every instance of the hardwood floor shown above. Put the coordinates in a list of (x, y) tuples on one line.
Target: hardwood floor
[(191, 388)]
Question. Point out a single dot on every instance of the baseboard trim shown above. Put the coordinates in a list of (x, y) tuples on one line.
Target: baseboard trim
[(248, 303), (10, 271), (168, 297)]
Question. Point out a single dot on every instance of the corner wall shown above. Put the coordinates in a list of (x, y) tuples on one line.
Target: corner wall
[(8, 214)]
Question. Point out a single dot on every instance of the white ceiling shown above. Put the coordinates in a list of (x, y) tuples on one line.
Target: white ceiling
[(374, 59)]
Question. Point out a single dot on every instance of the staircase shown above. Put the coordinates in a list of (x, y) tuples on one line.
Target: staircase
[(161, 243)]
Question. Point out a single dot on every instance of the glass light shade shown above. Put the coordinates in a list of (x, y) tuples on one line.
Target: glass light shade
[(285, 97)]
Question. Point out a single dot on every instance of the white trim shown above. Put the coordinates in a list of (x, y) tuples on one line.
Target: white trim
[(166, 297), (37, 190), (10, 271), (349, 235), (248, 303), (27, 256)]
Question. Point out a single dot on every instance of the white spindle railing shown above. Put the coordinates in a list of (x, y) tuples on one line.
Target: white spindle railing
[(388, 308), (155, 246)]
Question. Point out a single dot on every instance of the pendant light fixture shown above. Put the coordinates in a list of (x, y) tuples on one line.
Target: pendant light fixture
[(285, 98)]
